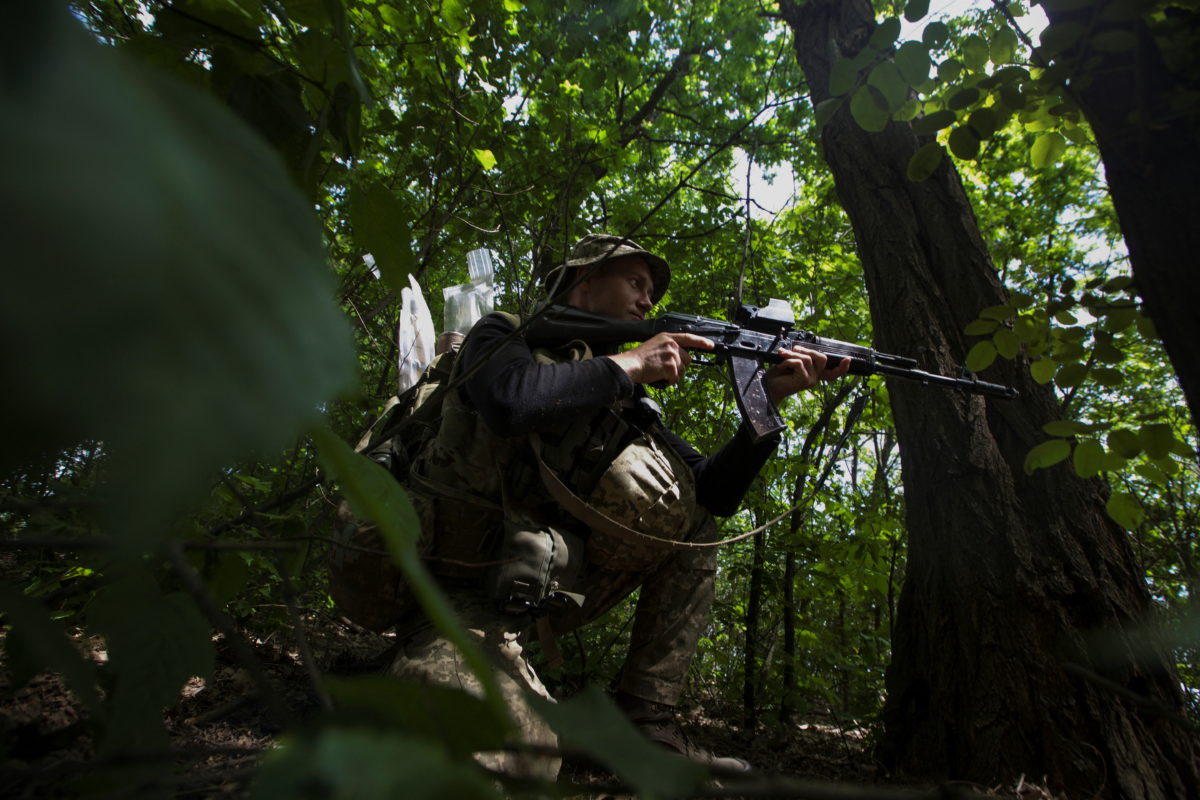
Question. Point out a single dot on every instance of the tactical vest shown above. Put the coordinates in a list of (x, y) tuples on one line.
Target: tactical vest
[(592, 477)]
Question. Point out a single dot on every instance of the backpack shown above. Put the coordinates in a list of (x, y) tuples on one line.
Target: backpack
[(367, 587), (365, 584)]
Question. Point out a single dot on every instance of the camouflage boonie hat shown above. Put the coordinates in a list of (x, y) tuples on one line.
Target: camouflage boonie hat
[(597, 248)]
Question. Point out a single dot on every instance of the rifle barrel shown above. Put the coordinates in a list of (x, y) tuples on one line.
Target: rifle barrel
[(973, 385)]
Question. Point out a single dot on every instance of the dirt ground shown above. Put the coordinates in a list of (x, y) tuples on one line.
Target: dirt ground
[(219, 730)]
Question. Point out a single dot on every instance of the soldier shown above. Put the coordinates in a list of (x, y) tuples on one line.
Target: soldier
[(548, 466)]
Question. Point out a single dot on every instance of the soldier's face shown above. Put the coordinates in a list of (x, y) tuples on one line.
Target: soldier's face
[(620, 289)]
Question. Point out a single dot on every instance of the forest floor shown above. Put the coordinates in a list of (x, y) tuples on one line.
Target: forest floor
[(219, 730)]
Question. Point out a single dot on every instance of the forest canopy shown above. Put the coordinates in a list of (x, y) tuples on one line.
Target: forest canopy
[(214, 206)]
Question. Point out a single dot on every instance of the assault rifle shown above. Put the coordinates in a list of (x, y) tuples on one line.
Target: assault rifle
[(748, 344)]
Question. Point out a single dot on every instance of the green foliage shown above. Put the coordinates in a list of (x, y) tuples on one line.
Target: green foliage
[(181, 320), (173, 314), (183, 274)]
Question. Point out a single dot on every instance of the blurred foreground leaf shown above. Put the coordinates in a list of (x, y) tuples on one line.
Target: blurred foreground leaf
[(156, 642), (374, 494), (366, 764), (462, 722), (589, 723), (35, 643), (165, 291)]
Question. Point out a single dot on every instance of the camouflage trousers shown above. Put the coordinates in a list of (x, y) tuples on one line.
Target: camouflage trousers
[(677, 590)]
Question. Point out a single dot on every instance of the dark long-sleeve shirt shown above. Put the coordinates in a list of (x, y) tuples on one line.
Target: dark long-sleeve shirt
[(515, 395)]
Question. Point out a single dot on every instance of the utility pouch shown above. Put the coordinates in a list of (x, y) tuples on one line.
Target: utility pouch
[(535, 568)]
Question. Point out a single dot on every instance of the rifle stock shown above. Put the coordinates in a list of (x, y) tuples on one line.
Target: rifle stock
[(748, 345)]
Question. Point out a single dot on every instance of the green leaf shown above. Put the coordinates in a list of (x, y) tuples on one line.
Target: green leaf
[(892, 87), (1125, 510), (191, 298), (1108, 353), (381, 227), (915, 9), (981, 327), (1047, 454), (842, 77), (1071, 375), (486, 159), (155, 643), (869, 109), (1043, 370), (1088, 458), (924, 161), (1109, 377), (975, 52), (963, 98), (1047, 149), (949, 70), (1011, 75), (1153, 474), (932, 123), (908, 111), (1012, 98), (984, 121), (885, 34), (935, 34), (589, 723), (1006, 343), (999, 313), (981, 356), (1066, 427), (1118, 319), (229, 578), (1029, 330), (912, 59), (1124, 443), (366, 764), (1157, 439), (964, 142), (826, 109), (1003, 46), (35, 644), (1060, 36), (456, 17)]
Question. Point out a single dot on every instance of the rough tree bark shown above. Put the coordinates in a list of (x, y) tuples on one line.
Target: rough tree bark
[(1023, 605), (1146, 126)]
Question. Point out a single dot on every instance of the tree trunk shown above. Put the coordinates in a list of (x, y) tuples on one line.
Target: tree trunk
[(1023, 604), (1146, 128)]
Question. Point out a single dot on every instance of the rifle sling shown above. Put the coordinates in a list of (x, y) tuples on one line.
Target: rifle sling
[(593, 518)]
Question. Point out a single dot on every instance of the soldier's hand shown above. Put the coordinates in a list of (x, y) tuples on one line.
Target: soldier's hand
[(800, 369), (662, 359)]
